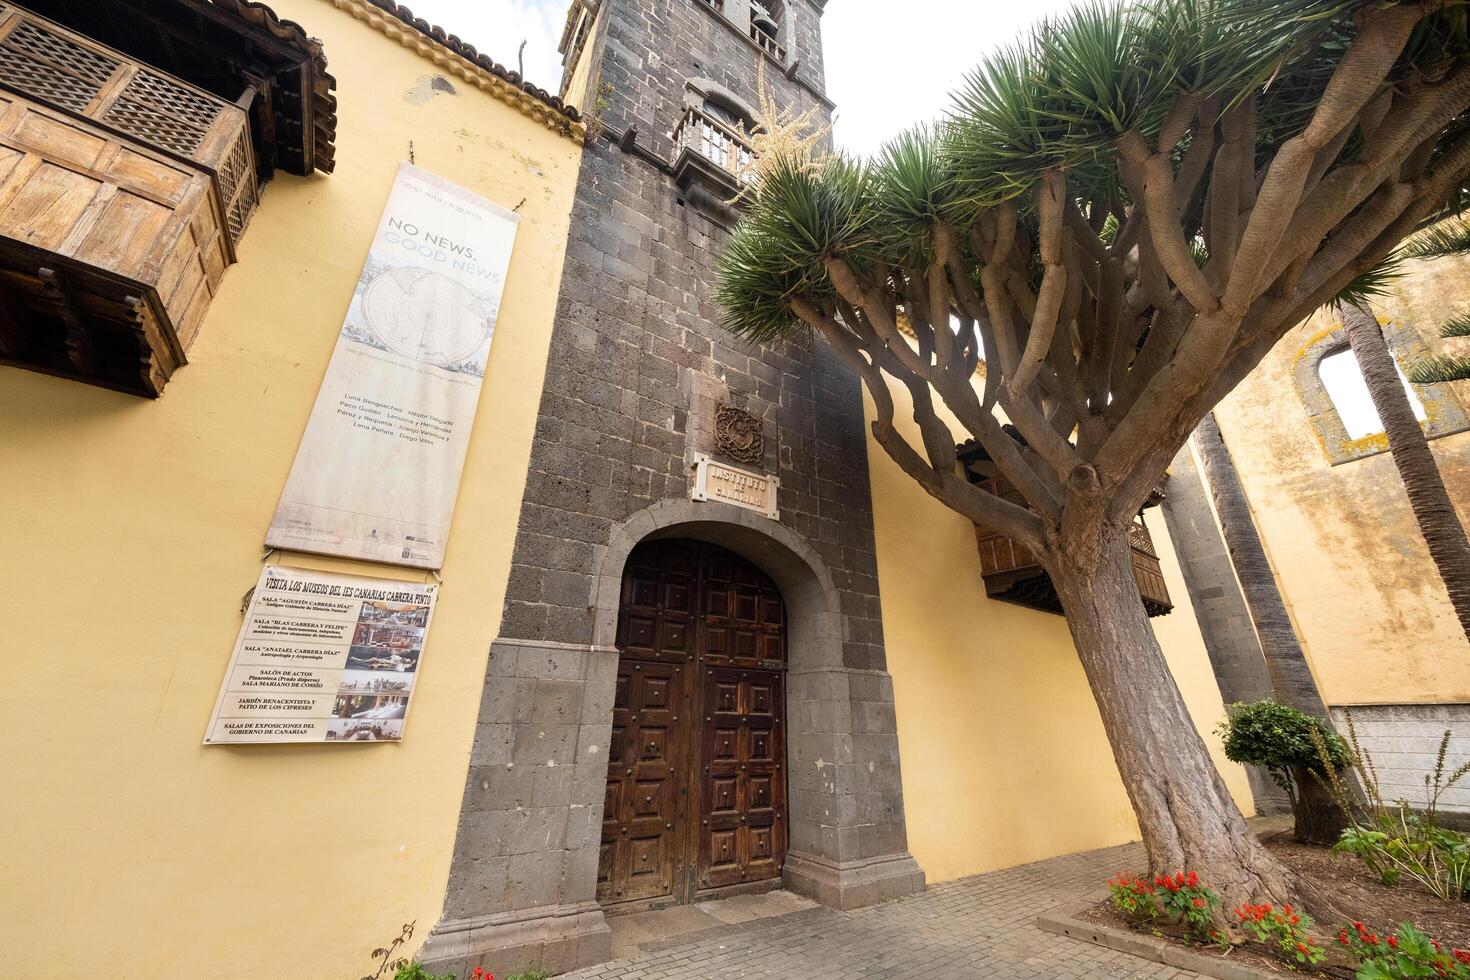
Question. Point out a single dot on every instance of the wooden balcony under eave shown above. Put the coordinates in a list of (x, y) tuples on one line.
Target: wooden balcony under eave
[(1012, 573)]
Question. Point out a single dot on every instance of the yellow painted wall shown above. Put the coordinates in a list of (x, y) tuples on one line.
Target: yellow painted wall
[(1371, 611), (1004, 756), (133, 529)]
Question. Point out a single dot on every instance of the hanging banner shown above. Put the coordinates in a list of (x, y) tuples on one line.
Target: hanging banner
[(377, 472), (323, 658)]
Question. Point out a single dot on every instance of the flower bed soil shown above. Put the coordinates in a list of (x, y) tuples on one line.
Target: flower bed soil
[(1357, 894)]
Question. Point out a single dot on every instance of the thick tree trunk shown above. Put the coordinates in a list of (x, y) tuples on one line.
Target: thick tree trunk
[(1291, 678), (1188, 819), (1319, 820), (1438, 522)]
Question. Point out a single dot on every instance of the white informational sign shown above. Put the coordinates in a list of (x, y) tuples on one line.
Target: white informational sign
[(377, 472), (323, 658), (714, 480)]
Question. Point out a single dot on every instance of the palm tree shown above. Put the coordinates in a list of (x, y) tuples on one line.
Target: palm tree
[(1318, 818), (1291, 678), (1433, 509), (1122, 215), (1449, 238)]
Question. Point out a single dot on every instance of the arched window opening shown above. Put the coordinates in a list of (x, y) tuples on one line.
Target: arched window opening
[(1343, 379), (1339, 407), (728, 114)]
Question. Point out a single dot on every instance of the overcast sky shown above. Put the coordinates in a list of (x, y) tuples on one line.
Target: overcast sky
[(890, 63)]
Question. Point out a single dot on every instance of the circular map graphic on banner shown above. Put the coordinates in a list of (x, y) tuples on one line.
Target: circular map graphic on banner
[(426, 316)]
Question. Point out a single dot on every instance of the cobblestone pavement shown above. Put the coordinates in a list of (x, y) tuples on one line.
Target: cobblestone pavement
[(983, 926)]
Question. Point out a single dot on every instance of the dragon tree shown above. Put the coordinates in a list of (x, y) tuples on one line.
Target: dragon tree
[(1120, 215)]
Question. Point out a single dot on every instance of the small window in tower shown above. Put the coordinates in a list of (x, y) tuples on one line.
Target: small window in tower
[(1344, 382), (765, 27)]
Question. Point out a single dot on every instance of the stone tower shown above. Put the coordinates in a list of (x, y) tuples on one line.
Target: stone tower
[(642, 383)]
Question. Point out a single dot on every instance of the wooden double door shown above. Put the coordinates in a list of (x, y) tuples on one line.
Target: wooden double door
[(696, 777)]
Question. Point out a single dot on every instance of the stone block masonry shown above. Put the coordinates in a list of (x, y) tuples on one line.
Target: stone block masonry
[(638, 365), (1403, 742)]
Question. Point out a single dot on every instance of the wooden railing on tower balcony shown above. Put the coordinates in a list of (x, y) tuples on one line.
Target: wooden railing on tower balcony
[(1012, 573), (768, 44), (700, 140), (122, 193)]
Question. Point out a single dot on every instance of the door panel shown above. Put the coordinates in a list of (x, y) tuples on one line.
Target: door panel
[(696, 790), (744, 787), (648, 751)]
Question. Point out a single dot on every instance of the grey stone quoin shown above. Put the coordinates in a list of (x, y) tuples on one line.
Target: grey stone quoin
[(638, 364)]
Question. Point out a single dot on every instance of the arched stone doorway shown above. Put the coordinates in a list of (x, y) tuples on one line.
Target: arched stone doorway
[(524, 879), (696, 783)]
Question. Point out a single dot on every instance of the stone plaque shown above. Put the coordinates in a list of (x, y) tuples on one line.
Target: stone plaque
[(714, 480)]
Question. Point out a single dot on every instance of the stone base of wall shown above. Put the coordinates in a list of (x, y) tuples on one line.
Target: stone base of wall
[(853, 884), (557, 939), (1403, 741)]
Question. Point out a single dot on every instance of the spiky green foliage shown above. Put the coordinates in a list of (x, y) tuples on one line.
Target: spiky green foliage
[(1086, 105), (1376, 283), (1446, 238), (1440, 368)]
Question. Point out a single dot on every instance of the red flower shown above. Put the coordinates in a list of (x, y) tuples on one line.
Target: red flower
[(1342, 937), (1393, 941), (1193, 880), (1200, 903)]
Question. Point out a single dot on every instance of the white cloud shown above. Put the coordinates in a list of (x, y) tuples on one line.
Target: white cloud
[(889, 63), (893, 64)]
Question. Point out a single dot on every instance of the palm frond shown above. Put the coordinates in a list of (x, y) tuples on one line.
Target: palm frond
[(1377, 282), (1446, 238), (1440, 368), (1456, 326)]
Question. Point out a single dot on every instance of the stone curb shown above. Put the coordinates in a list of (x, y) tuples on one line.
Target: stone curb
[(1065, 920)]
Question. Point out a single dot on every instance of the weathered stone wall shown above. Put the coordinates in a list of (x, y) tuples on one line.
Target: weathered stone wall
[(1403, 741), (638, 364)]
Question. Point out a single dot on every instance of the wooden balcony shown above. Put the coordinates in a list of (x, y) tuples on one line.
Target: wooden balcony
[(1012, 573), (711, 153), (122, 193)]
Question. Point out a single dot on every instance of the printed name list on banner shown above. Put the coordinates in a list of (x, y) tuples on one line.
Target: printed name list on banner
[(378, 469), (323, 658)]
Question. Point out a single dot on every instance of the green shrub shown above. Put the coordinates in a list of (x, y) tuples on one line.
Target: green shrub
[(1279, 739)]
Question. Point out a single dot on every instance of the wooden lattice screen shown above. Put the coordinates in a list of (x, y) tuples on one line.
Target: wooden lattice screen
[(67, 71)]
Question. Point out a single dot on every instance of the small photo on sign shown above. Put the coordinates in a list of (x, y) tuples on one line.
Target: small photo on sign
[(394, 614), (381, 658), (389, 636), (370, 706), (375, 682), (364, 730)]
